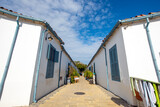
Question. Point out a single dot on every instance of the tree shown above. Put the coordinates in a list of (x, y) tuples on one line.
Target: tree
[(80, 66)]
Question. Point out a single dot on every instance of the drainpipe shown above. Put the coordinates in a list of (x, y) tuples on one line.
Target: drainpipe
[(152, 51), (106, 67), (60, 67), (9, 58), (38, 66)]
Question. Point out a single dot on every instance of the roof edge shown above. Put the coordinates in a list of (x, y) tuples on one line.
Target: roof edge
[(107, 37), (20, 15), (68, 55), (117, 24), (140, 18), (54, 33), (34, 19)]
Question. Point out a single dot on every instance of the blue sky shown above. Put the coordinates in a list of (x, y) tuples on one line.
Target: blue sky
[(82, 24)]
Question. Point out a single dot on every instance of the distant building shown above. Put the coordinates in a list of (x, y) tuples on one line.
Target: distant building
[(132, 49), (33, 61)]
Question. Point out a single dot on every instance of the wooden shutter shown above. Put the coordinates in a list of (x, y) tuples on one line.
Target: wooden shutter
[(114, 63), (48, 52), (50, 64), (51, 52), (50, 69), (94, 68), (56, 56)]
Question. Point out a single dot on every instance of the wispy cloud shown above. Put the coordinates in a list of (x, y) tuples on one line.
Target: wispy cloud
[(75, 21)]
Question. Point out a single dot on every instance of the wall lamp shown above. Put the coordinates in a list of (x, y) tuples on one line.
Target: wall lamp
[(48, 37)]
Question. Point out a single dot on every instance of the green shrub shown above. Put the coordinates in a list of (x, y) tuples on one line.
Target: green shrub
[(73, 72), (88, 74), (72, 79)]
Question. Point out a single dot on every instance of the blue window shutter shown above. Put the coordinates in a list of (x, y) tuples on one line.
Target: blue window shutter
[(56, 57), (50, 63), (94, 68), (114, 63), (50, 69), (52, 53), (48, 52), (68, 67)]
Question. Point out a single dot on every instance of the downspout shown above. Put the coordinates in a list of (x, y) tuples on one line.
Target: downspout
[(9, 57), (152, 51), (106, 67), (38, 66), (60, 68)]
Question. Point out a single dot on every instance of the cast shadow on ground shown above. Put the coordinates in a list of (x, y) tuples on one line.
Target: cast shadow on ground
[(120, 102)]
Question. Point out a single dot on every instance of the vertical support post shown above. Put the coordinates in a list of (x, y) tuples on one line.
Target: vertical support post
[(152, 50), (9, 58), (38, 66), (60, 68), (106, 68)]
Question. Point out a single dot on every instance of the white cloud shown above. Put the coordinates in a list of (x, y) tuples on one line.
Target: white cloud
[(105, 10), (97, 18), (84, 25), (64, 16), (109, 5), (103, 23)]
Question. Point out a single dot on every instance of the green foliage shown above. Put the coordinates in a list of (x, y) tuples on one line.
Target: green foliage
[(80, 66), (88, 74), (73, 72), (72, 79)]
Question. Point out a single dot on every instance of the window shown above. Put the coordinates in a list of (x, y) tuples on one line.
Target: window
[(68, 69), (69, 66), (114, 63), (90, 68), (94, 68), (52, 56)]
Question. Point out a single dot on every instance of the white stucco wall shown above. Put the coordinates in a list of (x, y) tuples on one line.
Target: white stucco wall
[(121, 88), (44, 85), (100, 69), (64, 67), (5, 41), (17, 87), (138, 53), (155, 37)]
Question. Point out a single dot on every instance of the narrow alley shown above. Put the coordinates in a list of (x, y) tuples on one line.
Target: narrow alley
[(81, 94)]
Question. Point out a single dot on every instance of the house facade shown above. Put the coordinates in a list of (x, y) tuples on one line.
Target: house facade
[(33, 60), (130, 50)]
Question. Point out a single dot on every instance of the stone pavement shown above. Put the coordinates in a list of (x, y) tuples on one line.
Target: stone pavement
[(81, 94)]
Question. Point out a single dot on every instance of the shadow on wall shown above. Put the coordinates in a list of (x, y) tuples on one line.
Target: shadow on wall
[(120, 102)]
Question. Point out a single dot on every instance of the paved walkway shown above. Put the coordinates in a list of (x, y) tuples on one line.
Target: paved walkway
[(88, 95)]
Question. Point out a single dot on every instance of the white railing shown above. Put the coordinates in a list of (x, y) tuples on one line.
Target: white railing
[(146, 92)]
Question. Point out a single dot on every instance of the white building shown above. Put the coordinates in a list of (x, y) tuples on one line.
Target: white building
[(33, 61), (132, 49)]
